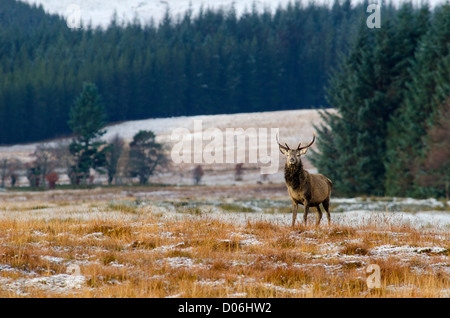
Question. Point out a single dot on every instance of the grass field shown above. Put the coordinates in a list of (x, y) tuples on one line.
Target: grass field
[(127, 243)]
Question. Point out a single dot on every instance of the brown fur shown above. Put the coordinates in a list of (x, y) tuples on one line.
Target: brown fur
[(305, 188)]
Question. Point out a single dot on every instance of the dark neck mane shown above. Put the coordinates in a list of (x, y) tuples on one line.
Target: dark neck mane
[(294, 175)]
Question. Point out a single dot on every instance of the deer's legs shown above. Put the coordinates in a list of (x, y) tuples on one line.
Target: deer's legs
[(305, 214), (326, 205), (319, 215), (294, 212)]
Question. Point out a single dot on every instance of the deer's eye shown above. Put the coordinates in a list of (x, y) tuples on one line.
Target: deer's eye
[(298, 155)]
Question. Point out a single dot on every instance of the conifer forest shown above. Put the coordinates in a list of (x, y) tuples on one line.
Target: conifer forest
[(389, 85)]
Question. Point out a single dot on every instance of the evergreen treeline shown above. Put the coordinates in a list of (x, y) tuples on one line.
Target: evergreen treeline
[(213, 62), (392, 93), (86, 152)]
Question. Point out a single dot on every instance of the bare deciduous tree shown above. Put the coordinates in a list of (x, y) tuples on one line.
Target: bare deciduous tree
[(113, 156), (238, 172), (435, 169), (197, 173), (45, 162)]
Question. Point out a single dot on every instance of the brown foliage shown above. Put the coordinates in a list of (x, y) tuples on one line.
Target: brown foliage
[(437, 162)]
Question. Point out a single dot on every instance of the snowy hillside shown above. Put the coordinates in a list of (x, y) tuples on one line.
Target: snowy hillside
[(99, 12), (294, 126)]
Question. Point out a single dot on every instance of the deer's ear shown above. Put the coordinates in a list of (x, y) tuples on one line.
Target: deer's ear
[(283, 151), (303, 151)]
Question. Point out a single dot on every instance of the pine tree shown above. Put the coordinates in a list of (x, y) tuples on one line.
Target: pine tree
[(146, 155), (366, 91), (213, 62), (426, 89), (87, 118), (339, 131)]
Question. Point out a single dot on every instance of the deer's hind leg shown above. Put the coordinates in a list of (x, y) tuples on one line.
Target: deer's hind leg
[(326, 206), (319, 215)]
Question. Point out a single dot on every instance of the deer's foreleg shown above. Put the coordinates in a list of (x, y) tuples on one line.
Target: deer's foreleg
[(305, 213), (294, 212)]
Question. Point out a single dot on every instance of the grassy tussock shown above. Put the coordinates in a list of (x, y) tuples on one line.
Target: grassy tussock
[(151, 255)]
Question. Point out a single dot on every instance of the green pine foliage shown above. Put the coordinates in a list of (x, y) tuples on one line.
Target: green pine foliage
[(87, 116), (408, 142), (208, 63), (146, 156), (87, 119), (390, 86), (367, 90)]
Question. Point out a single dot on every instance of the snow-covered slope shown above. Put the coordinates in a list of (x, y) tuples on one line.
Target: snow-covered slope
[(294, 126), (99, 12)]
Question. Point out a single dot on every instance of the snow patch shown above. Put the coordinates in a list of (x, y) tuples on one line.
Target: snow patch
[(100, 12), (181, 261), (53, 259), (387, 250), (61, 284)]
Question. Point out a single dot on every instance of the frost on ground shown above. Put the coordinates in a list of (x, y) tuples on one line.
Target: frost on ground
[(59, 284), (215, 173), (224, 241), (389, 204), (30, 282)]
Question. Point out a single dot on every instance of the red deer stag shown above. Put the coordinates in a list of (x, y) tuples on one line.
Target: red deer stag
[(308, 189)]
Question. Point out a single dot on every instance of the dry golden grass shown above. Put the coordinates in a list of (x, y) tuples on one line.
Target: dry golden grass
[(132, 251)]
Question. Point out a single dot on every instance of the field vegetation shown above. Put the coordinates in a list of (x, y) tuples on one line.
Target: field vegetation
[(122, 245)]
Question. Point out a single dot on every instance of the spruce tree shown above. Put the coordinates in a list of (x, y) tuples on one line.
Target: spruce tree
[(336, 157), (407, 137), (87, 119), (366, 91)]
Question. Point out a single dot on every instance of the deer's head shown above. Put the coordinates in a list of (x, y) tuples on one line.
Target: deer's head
[(293, 155)]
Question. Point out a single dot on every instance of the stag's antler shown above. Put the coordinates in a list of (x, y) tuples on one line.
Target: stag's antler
[(285, 148), (314, 138)]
